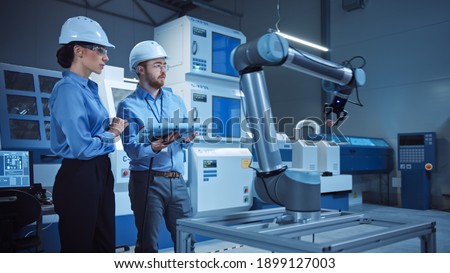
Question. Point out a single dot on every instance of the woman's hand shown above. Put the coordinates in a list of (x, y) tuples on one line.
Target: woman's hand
[(117, 126)]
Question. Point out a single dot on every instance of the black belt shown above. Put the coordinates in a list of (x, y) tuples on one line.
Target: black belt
[(166, 174)]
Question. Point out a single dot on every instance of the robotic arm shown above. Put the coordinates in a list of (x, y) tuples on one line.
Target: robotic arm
[(274, 50), (298, 191)]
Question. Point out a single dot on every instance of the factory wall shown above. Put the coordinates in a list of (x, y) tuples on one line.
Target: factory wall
[(405, 45), (30, 31)]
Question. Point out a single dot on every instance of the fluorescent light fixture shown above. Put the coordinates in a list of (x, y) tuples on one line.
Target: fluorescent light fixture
[(301, 41), (131, 80)]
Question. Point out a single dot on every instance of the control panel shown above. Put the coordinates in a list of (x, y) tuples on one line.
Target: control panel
[(416, 151), (220, 180), (416, 160)]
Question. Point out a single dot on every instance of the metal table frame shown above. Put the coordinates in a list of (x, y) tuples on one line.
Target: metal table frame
[(257, 229)]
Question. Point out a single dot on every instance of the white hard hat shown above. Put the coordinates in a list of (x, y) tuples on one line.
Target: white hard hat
[(144, 51), (83, 29)]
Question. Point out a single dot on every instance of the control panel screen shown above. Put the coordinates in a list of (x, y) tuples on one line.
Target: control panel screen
[(222, 46), (15, 169), (408, 140), (226, 117), (416, 150)]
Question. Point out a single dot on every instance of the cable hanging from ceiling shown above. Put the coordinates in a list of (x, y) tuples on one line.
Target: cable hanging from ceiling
[(293, 38)]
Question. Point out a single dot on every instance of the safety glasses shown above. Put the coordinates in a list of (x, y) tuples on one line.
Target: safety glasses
[(102, 51), (161, 66)]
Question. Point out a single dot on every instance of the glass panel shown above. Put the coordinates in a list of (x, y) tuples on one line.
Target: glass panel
[(24, 129), (19, 81), (226, 114), (45, 108), (21, 105), (119, 94), (222, 46), (47, 129), (46, 83)]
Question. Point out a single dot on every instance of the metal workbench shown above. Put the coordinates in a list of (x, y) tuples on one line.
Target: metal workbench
[(335, 231)]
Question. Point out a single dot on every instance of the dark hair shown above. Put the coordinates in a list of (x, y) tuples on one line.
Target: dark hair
[(65, 55)]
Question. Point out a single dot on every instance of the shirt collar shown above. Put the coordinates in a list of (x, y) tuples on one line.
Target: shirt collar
[(77, 78), (143, 94), (87, 83)]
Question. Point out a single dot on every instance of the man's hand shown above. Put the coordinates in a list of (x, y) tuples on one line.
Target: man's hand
[(164, 142), (190, 137)]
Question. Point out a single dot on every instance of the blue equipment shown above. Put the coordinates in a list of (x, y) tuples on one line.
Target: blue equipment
[(365, 155), (416, 160)]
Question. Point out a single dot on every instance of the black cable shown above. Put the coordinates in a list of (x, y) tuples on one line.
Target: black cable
[(149, 179), (268, 192), (348, 63), (264, 183), (359, 103)]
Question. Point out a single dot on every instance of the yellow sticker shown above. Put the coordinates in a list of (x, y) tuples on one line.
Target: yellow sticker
[(245, 163)]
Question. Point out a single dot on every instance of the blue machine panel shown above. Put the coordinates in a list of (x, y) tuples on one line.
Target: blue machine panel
[(416, 160), (364, 155), (415, 150)]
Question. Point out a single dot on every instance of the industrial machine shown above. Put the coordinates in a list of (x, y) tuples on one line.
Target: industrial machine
[(25, 116), (296, 190), (365, 155), (211, 171), (416, 161), (321, 156), (304, 150), (357, 154), (341, 157), (201, 73)]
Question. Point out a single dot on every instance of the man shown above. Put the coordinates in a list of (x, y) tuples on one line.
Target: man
[(156, 187)]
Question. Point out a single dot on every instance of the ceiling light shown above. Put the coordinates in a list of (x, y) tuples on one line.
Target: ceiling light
[(298, 40)]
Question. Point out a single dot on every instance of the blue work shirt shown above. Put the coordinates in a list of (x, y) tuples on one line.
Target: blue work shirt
[(140, 108), (79, 121)]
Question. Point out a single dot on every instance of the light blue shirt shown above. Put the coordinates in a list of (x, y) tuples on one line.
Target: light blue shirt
[(140, 108), (79, 121)]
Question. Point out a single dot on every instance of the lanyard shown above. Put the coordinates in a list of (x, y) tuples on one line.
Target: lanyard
[(155, 114)]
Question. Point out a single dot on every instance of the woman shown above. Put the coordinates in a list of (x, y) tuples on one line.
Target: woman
[(83, 193)]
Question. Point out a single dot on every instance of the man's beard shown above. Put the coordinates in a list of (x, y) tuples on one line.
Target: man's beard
[(156, 84)]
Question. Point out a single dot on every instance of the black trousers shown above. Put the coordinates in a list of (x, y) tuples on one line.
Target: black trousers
[(83, 196)]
